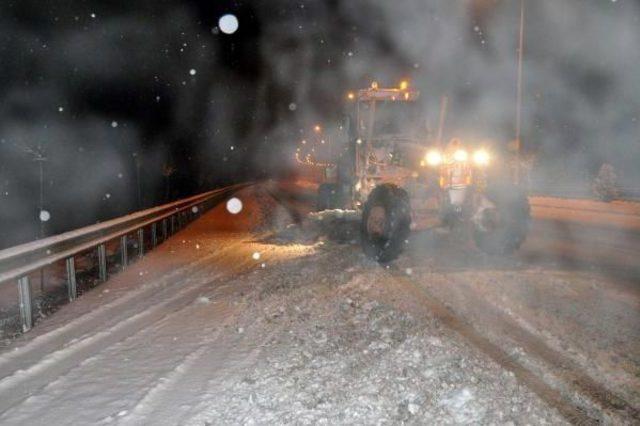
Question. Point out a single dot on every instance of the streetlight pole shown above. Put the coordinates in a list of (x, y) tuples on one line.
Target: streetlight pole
[(519, 93), (40, 158), (40, 161)]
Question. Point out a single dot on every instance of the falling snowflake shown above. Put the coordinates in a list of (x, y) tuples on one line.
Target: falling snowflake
[(197, 246), (60, 109), (409, 271), (194, 209), (234, 205), (44, 216), (192, 71), (228, 24), (292, 106), (93, 16), (107, 195), (119, 175), (256, 255), (114, 124)]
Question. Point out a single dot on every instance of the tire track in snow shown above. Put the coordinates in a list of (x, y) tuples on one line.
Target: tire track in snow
[(560, 366), (23, 383), (122, 381), (204, 371), (86, 325), (18, 386), (205, 380)]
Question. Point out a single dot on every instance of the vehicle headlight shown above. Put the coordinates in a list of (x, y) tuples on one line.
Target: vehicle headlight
[(433, 158), (460, 155), (481, 157)]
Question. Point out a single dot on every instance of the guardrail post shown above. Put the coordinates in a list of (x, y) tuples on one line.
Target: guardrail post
[(102, 262), (164, 229), (141, 242), (24, 293), (71, 278), (123, 251), (173, 224), (154, 235)]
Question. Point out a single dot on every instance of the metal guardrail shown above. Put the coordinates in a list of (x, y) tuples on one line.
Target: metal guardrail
[(16, 263)]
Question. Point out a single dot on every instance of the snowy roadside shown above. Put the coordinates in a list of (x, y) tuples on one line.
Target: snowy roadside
[(576, 329), (348, 353)]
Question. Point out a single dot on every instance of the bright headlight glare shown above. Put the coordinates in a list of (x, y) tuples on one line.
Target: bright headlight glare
[(481, 157), (460, 155), (433, 158)]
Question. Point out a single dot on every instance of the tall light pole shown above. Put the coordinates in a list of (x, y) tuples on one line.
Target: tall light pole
[(40, 158), (519, 93)]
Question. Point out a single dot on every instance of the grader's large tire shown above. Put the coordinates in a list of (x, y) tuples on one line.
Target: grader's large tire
[(386, 221), (505, 227)]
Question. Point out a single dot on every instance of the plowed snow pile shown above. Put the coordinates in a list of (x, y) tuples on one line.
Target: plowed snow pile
[(345, 353)]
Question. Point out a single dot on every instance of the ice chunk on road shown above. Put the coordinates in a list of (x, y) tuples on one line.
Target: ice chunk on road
[(459, 403)]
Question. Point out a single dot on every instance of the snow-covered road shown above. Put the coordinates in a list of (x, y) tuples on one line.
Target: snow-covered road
[(229, 323)]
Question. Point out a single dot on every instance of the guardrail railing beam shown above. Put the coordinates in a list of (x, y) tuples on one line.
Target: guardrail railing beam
[(24, 294)]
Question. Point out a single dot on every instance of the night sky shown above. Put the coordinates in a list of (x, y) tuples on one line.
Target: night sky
[(115, 94)]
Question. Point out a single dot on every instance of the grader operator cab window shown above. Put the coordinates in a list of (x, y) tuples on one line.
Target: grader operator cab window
[(395, 118)]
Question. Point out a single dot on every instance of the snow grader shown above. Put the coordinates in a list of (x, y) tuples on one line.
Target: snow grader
[(402, 180)]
